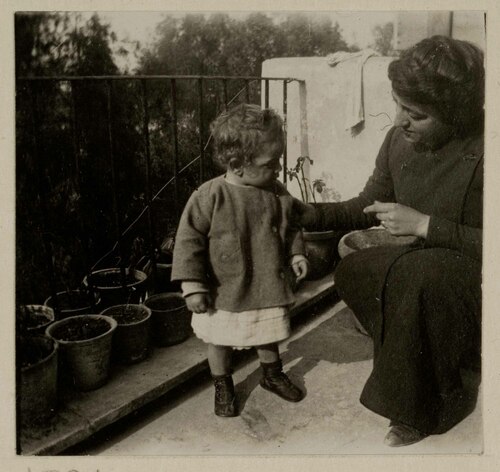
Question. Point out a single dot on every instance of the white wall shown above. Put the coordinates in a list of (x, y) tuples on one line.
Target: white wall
[(316, 118)]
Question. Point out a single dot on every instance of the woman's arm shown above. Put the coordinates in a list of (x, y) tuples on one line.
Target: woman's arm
[(349, 215)]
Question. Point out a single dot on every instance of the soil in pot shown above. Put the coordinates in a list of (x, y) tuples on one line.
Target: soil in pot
[(170, 320), (109, 284), (85, 343), (81, 330), (73, 302), (131, 341), (33, 319)]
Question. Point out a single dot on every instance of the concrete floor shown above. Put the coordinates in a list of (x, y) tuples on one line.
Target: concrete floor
[(327, 357)]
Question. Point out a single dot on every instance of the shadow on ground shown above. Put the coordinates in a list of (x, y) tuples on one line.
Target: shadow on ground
[(336, 340)]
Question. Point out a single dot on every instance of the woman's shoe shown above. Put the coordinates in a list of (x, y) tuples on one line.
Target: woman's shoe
[(276, 381), (403, 435), (225, 398)]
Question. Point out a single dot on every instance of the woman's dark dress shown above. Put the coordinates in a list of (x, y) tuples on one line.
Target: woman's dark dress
[(422, 305)]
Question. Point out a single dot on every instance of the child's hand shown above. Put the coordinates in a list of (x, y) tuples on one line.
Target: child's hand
[(300, 268), (198, 302)]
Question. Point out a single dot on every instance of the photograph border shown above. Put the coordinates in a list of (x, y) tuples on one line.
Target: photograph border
[(488, 461)]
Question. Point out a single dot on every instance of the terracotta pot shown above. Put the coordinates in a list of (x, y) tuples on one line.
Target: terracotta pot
[(108, 283), (131, 341), (321, 251), (162, 283), (366, 238), (37, 387), (73, 302), (85, 342), (37, 318), (171, 320)]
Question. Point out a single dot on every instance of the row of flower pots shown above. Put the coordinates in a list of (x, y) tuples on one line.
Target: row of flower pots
[(80, 349)]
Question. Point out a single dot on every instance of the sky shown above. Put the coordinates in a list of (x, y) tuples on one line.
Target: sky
[(356, 27)]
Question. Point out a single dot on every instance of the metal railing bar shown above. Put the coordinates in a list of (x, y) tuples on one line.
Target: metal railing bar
[(266, 93), (247, 91), (152, 242), (285, 111), (173, 93), (224, 85), (39, 159), (114, 183), (81, 229), (150, 77), (200, 118)]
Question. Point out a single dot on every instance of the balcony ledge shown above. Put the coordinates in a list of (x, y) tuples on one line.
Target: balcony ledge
[(82, 414)]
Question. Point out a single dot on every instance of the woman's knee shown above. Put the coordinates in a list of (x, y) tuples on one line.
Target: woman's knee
[(348, 273)]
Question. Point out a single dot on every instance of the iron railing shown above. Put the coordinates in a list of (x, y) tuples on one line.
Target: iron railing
[(33, 84)]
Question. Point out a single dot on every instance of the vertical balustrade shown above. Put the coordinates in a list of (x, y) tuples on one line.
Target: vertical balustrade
[(266, 93), (200, 116), (114, 183), (39, 158), (149, 199), (82, 233), (173, 96), (285, 111), (224, 85)]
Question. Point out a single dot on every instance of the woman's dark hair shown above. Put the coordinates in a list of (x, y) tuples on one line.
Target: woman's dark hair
[(240, 132), (447, 74)]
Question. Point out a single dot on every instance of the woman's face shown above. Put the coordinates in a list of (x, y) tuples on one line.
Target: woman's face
[(420, 123)]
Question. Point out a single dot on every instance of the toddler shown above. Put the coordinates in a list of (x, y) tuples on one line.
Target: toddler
[(237, 251)]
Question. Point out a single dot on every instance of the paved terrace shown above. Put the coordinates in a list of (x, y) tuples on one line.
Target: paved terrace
[(130, 388)]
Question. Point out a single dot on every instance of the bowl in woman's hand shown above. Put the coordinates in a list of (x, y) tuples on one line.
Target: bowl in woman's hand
[(373, 237)]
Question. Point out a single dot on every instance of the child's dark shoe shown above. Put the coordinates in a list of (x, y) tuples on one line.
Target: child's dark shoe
[(276, 381), (225, 398)]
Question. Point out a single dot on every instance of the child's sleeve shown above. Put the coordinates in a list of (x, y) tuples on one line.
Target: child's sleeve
[(191, 242)]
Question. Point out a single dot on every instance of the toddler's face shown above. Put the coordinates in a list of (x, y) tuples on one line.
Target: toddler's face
[(265, 167)]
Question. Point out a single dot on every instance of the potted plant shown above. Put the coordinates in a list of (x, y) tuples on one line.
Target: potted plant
[(34, 319), (36, 368), (85, 342), (131, 341), (118, 286), (171, 320), (321, 246), (74, 302)]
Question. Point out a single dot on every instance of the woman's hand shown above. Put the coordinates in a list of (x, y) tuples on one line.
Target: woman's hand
[(400, 220), (198, 302)]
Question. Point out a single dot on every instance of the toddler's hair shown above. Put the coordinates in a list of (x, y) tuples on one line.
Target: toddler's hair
[(240, 132)]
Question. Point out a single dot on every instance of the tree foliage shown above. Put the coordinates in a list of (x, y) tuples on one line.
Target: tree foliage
[(384, 39), (70, 168)]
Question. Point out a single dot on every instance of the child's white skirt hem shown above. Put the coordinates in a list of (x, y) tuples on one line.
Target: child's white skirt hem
[(243, 329)]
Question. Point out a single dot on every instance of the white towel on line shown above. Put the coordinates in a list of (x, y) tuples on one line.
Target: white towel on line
[(354, 112)]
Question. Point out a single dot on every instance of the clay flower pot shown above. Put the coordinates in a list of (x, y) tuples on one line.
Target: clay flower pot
[(36, 318), (131, 340), (37, 381), (171, 320), (321, 251), (85, 342), (108, 283), (366, 238), (73, 302)]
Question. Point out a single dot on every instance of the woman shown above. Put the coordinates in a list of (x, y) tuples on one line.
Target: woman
[(421, 304)]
